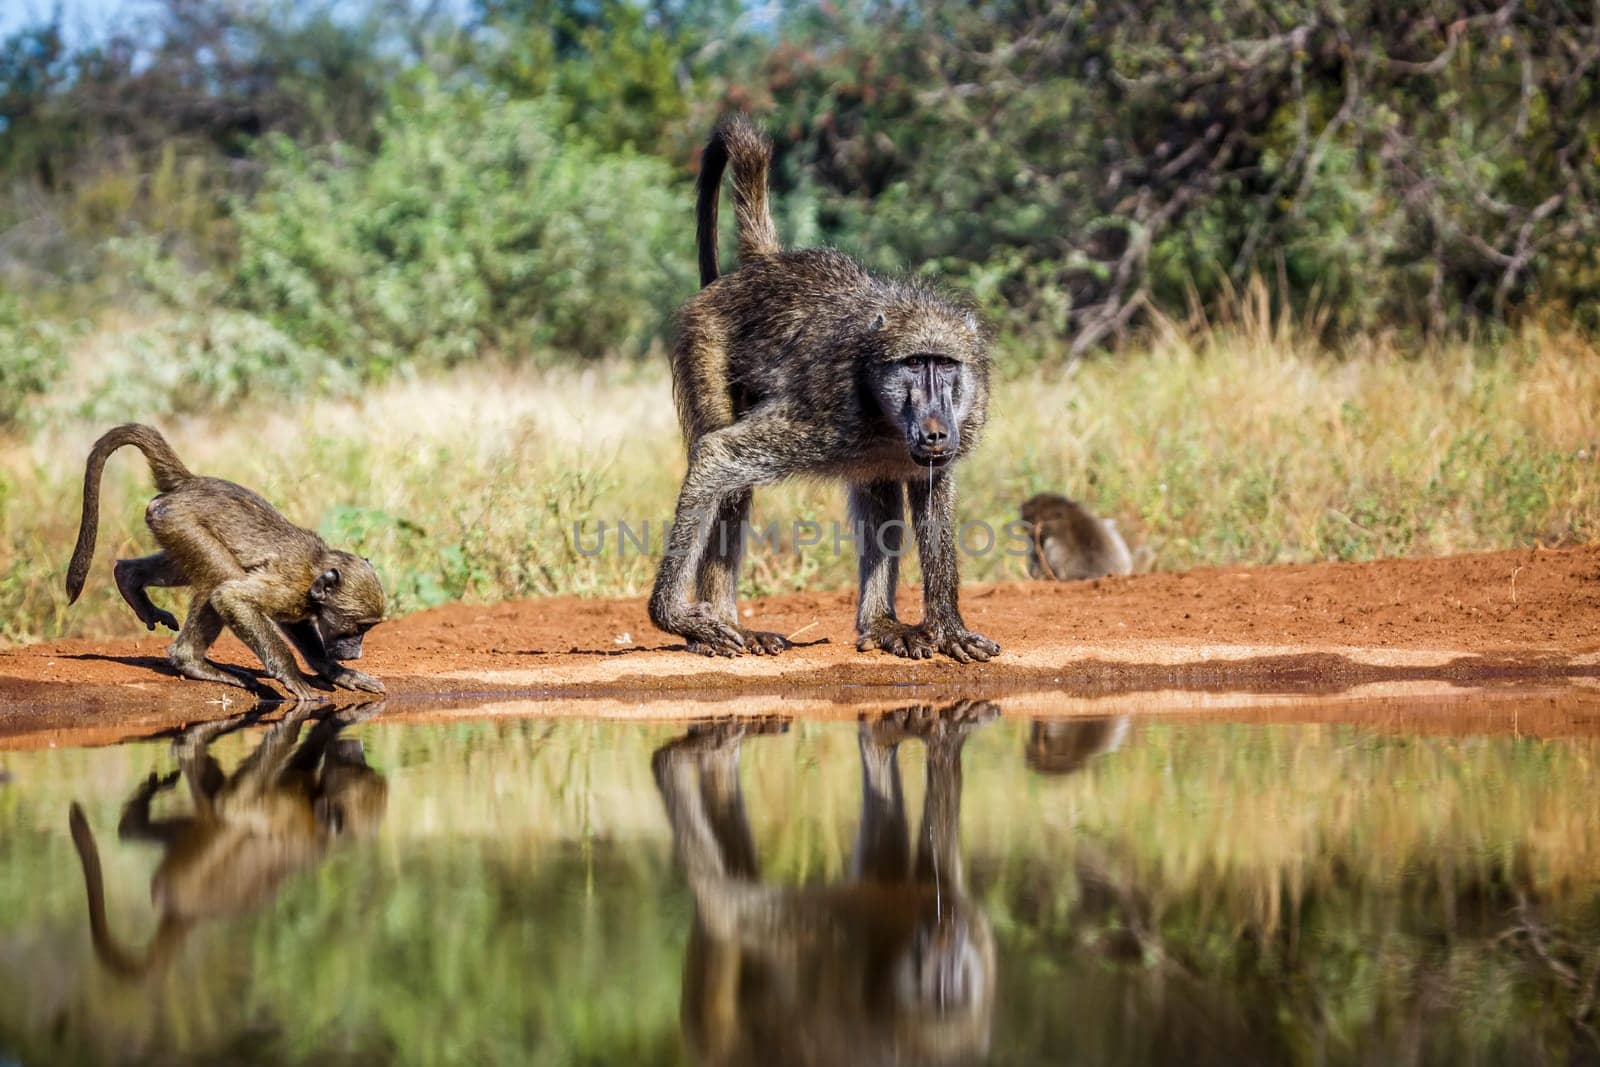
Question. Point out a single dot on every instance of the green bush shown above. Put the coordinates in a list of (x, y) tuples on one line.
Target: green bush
[(31, 358), (478, 224)]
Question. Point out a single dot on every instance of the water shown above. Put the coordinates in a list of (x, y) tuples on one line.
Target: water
[(945, 884)]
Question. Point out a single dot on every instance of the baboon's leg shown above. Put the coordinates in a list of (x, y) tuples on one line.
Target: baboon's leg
[(136, 823), (723, 465), (933, 513), (134, 576), (883, 848), (209, 562), (236, 601), (876, 513), (187, 653)]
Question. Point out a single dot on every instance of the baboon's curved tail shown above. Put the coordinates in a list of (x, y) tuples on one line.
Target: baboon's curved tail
[(164, 463), (111, 954), (736, 140)]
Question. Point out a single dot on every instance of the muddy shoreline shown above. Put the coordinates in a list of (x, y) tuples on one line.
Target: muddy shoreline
[(1523, 618)]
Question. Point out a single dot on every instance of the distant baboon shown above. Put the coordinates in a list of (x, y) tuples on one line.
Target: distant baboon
[(802, 363), (250, 568), (1070, 542), (1062, 746), (275, 815), (895, 965)]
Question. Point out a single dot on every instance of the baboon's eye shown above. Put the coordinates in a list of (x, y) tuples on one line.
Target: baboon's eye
[(917, 362)]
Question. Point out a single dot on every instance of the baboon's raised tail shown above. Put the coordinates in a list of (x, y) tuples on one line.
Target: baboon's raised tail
[(113, 955), (736, 141), (164, 463)]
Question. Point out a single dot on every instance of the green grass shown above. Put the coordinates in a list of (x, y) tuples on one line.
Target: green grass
[(1241, 445)]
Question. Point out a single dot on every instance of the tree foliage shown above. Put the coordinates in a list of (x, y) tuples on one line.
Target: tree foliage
[(384, 186), (1421, 164)]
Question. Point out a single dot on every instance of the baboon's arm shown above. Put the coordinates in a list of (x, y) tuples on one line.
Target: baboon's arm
[(238, 601), (303, 635), (259, 773), (883, 846), (876, 515), (933, 514), (136, 823), (939, 840)]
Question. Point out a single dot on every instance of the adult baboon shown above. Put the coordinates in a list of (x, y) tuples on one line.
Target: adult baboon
[(802, 363), (895, 965), (250, 568), (249, 831)]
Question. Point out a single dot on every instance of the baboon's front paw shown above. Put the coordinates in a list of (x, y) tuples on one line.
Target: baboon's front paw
[(963, 645), (349, 678), (909, 642), (706, 634), (299, 692), (763, 642)]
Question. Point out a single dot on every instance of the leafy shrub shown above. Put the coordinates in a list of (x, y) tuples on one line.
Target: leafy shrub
[(478, 224), (1422, 165), (31, 358)]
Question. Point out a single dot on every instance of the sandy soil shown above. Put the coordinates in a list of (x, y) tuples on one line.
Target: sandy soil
[(1526, 617)]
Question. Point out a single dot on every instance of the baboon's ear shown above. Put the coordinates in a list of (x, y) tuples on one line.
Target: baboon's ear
[(323, 585), (877, 323), (972, 322)]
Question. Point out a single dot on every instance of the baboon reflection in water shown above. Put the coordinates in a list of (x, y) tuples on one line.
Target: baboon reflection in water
[(275, 815), (895, 964), (1061, 746)]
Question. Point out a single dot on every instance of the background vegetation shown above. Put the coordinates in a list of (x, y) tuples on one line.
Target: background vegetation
[(1272, 281)]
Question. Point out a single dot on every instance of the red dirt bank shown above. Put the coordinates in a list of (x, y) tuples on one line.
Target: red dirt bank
[(1506, 616)]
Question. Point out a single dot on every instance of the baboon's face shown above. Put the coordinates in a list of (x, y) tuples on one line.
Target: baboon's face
[(347, 601), (1042, 506), (928, 397), (942, 970), (929, 375)]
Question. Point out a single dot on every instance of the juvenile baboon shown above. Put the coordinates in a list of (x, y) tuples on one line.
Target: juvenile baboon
[(802, 363), (1062, 746), (1070, 542), (275, 815), (250, 569), (896, 965)]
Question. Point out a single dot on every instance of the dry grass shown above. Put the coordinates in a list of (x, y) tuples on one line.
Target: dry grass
[(1236, 444)]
